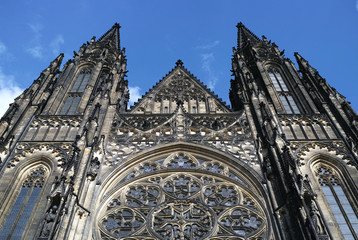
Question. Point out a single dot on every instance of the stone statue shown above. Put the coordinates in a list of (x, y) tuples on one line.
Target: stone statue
[(49, 221)]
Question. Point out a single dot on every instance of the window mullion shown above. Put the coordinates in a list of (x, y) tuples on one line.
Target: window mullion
[(343, 210), (24, 203), (12, 218), (278, 81), (26, 213)]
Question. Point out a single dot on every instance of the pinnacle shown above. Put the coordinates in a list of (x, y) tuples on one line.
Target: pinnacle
[(245, 36), (179, 63), (112, 36), (55, 64), (116, 25), (299, 58), (239, 25)]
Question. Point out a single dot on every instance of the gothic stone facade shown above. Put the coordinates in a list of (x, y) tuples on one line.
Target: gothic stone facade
[(281, 163)]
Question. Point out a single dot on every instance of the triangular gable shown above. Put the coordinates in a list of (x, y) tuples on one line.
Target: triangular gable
[(179, 85)]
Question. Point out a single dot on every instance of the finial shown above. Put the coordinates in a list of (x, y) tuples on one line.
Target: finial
[(116, 25), (240, 24), (179, 63)]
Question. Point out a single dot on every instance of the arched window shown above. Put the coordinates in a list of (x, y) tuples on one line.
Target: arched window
[(81, 81), (71, 104), (338, 200), (179, 196), (74, 96), (20, 213), (286, 98)]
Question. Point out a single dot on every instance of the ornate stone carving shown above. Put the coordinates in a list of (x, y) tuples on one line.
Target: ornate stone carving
[(182, 205), (305, 150), (326, 176), (182, 220), (53, 128), (180, 161), (35, 178), (93, 168), (122, 222), (57, 152), (181, 186), (49, 221), (228, 132), (242, 221)]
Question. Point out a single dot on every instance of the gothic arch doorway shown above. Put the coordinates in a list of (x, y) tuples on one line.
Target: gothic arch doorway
[(182, 192)]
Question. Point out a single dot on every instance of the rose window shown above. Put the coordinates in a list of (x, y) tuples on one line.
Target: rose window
[(185, 205)]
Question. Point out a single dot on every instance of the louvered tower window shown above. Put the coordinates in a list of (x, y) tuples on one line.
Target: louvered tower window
[(74, 96), (20, 213), (338, 201), (286, 98)]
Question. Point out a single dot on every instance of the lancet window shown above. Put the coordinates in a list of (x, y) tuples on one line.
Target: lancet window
[(74, 96), (81, 81), (20, 213), (338, 200), (286, 98)]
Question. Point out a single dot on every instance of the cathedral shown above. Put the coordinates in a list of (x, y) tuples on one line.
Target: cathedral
[(78, 163)]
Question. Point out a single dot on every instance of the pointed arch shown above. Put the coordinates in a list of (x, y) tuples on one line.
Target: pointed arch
[(339, 197), (177, 177), (24, 197), (24, 193), (75, 94), (284, 93)]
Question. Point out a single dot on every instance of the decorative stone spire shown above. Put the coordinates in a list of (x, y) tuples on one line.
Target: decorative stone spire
[(245, 36), (112, 36), (179, 63)]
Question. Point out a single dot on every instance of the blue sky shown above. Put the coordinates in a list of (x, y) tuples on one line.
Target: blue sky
[(157, 33)]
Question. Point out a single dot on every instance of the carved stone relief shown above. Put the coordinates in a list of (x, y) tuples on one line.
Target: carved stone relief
[(307, 127), (181, 161), (185, 205), (180, 86), (54, 128), (228, 132), (305, 150), (57, 152)]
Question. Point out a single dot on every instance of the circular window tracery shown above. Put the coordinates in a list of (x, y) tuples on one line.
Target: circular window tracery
[(185, 205), (182, 220)]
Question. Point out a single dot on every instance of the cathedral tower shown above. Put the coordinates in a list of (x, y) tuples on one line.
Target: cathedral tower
[(307, 140), (77, 163)]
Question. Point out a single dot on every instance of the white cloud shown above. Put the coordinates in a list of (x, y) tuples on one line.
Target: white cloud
[(2, 48), (8, 91), (56, 44), (206, 61), (36, 28), (134, 94), (209, 45), (36, 51)]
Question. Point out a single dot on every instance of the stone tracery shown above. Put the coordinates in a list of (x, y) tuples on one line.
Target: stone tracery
[(183, 204)]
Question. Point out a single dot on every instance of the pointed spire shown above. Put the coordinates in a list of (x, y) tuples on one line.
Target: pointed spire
[(55, 64), (244, 35), (299, 58), (303, 63), (112, 36)]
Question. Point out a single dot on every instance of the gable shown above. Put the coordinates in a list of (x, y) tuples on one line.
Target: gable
[(179, 86)]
